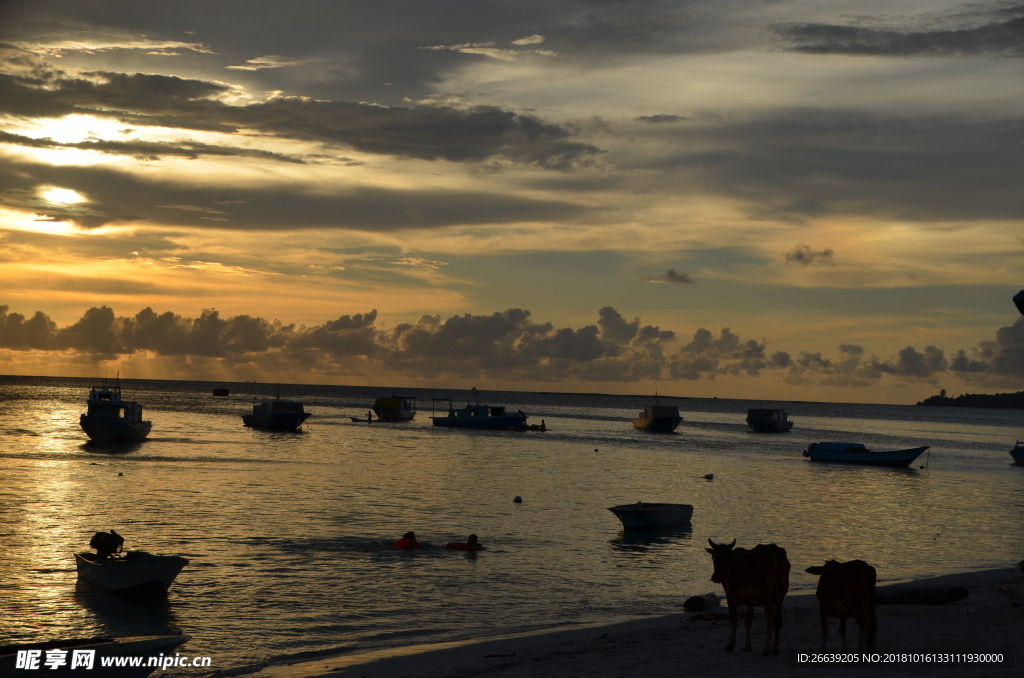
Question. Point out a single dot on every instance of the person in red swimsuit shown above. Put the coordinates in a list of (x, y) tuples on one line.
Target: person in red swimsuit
[(408, 541), (471, 544)]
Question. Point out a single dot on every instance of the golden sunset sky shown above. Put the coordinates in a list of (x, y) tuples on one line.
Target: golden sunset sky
[(786, 200)]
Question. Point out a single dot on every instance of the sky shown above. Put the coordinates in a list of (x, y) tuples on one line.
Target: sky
[(766, 200)]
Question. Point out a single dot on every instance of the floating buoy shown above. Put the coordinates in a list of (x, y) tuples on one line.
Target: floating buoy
[(595, 449), (710, 476), (120, 474), (518, 499)]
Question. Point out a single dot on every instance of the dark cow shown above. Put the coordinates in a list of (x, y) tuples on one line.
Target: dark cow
[(758, 577), (847, 590)]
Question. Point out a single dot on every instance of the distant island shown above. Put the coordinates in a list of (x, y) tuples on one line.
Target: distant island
[(1009, 401)]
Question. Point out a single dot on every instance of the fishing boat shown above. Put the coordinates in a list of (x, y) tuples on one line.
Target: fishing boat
[(276, 415), (855, 453), (73, 658), (658, 419), (108, 417), (221, 392), (477, 416), (764, 420), (651, 515), (130, 572), (395, 408), (1017, 453)]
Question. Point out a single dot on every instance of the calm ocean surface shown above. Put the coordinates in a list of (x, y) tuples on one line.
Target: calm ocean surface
[(289, 534)]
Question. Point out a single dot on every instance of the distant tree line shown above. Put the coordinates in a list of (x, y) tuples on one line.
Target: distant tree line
[(994, 400)]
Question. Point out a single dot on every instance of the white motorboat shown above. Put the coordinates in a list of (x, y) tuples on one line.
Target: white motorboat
[(108, 417), (648, 515), (78, 657), (134, 571), (856, 453)]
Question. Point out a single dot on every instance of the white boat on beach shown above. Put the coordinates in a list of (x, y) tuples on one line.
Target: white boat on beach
[(73, 658), (108, 417), (649, 515), (1017, 453), (132, 572)]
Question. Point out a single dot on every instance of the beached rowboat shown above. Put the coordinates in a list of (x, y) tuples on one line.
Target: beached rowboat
[(855, 453)]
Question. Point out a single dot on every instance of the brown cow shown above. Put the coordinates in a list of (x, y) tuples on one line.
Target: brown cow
[(758, 577), (847, 590)]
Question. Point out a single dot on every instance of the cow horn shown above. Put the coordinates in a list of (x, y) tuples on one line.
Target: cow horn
[(733, 543), (713, 544)]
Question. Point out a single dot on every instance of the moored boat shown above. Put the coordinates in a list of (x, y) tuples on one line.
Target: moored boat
[(479, 417), (658, 419), (221, 392), (764, 420), (855, 453), (108, 417), (276, 415), (132, 572), (1017, 453), (109, 657), (395, 408), (651, 515)]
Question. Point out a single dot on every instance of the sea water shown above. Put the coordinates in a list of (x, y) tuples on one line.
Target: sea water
[(289, 534)]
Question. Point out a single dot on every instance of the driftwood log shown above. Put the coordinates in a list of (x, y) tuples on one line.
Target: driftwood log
[(907, 595)]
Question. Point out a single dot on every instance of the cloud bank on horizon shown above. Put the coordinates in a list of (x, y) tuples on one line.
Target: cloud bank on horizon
[(827, 176)]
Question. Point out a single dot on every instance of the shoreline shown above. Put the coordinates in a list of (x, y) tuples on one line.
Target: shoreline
[(660, 646)]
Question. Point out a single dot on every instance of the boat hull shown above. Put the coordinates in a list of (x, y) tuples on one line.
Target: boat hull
[(902, 458), (128, 646), (658, 424), (393, 414), (102, 428), (279, 421), (1018, 455), (647, 515), (768, 425), (139, 574), (509, 423)]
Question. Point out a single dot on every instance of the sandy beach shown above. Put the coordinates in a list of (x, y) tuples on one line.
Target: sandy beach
[(672, 645)]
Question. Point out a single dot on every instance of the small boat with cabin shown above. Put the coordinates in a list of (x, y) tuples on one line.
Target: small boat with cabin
[(1017, 453), (658, 418), (276, 415), (108, 417), (855, 453), (765, 420), (133, 572), (643, 515), (395, 408), (477, 416)]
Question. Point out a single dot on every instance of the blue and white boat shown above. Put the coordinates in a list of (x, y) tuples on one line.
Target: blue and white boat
[(478, 416), (1017, 453), (855, 453), (645, 515)]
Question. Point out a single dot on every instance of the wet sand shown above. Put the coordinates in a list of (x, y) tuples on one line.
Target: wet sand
[(674, 645)]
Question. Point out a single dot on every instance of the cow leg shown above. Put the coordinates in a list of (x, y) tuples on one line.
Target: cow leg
[(734, 621), (842, 631), (872, 628), (862, 629), (778, 627), (824, 627), (769, 615), (748, 622)]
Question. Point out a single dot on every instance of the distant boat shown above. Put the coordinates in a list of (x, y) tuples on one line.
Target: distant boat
[(110, 418), (658, 419), (395, 408), (855, 453), (1017, 453), (220, 392), (647, 515), (276, 414), (135, 571), (479, 416), (28, 660), (764, 420)]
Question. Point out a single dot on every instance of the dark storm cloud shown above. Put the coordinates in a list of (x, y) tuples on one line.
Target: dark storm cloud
[(672, 276), (425, 132), (1001, 36), (115, 197), (801, 163), (661, 118), (147, 150), (805, 256)]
